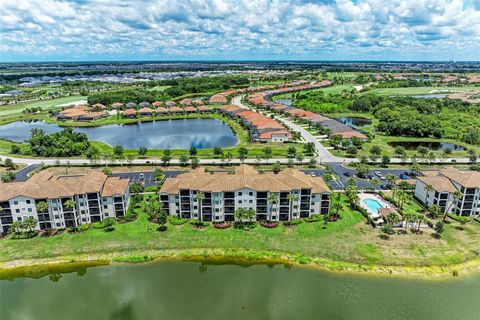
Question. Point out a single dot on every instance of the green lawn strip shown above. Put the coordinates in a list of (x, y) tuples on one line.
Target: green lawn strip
[(44, 104), (418, 90)]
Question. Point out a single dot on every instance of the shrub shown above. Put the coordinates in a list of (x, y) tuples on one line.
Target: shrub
[(162, 228), (244, 225), (177, 221), (151, 189), (313, 218), (199, 224), (109, 228)]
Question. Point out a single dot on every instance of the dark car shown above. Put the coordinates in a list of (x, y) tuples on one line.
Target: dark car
[(403, 176), (347, 174)]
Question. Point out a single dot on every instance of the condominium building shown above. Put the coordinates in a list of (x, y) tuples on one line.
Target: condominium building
[(289, 194), (95, 197), (438, 188)]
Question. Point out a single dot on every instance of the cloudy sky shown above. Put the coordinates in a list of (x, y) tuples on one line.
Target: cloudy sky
[(46, 30)]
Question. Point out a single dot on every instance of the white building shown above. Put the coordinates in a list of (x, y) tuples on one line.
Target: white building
[(295, 194), (443, 184), (95, 197)]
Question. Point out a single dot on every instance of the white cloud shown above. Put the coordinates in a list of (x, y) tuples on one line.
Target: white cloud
[(342, 29)]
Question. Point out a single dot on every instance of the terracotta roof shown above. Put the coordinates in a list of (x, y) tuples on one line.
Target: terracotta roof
[(203, 108), (218, 98), (161, 110), (130, 112), (157, 103), (185, 102), (197, 102), (244, 177), (170, 103), (145, 110), (190, 109), (175, 109), (46, 184), (467, 179), (439, 183), (117, 105), (99, 106), (268, 135)]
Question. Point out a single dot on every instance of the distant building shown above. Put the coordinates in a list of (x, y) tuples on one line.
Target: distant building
[(218, 99), (130, 113)]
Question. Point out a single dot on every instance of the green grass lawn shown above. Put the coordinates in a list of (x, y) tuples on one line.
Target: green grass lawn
[(349, 240), (418, 90), (14, 109), (332, 89)]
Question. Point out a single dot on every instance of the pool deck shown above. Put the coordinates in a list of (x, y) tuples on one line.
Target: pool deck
[(375, 216)]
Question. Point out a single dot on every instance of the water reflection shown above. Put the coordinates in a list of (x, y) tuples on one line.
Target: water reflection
[(169, 134)]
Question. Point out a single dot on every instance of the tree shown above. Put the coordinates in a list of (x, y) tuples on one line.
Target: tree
[(277, 167), (200, 196), (375, 183), (158, 175), (193, 151), (434, 210), (194, 162), (309, 148), (456, 195), (9, 164), (42, 206), (463, 221), (299, 157), (166, 157), (352, 150), (423, 151), (217, 152), (142, 151), (69, 204), (242, 153), (15, 149), (29, 224), (137, 187), (336, 204), (267, 153), (362, 170), (273, 200), (415, 168), (400, 151), (312, 163), (107, 171), (385, 160), (184, 160), (291, 152), (8, 176), (151, 207), (439, 228), (291, 199), (118, 151), (376, 150), (472, 155), (391, 178)]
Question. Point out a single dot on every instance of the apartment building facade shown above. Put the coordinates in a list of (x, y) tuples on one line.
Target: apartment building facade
[(207, 196), (443, 184), (71, 200)]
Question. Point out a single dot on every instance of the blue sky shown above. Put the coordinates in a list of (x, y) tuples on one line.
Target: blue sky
[(53, 30)]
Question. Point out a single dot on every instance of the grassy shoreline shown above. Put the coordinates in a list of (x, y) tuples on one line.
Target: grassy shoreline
[(35, 268)]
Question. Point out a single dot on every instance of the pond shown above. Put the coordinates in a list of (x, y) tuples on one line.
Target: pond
[(355, 121), (432, 96), (434, 146), (165, 134), (287, 102), (192, 290)]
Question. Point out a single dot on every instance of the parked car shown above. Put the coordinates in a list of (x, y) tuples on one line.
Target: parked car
[(347, 174), (378, 173), (141, 176), (313, 174), (403, 176)]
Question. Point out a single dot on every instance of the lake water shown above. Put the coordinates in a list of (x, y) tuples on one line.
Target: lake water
[(432, 96), (355, 121), (192, 290), (434, 146), (167, 134)]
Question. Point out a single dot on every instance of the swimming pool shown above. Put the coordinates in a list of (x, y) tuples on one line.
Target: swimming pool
[(372, 204)]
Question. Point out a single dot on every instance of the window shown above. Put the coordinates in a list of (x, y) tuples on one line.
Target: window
[(105, 206), (19, 219), (84, 219), (57, 224), (239, 201), (57, 216), (17, 210), (217, 210), (250, 201), (29, 209), (239, 193), (250, 193), (28, 201), (15, 202)]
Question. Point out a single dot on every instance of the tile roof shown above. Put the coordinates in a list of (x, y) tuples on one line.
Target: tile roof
[(46, 184), (244, 177), (439, 183), (130, 112), (145, 110), (467, 178)]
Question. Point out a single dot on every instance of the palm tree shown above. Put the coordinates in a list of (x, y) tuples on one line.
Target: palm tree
[(200, 197), (291, 198), (272, 199), (391, 178), (375, 182), (42, 206), (69, 204), (428, 189), (457, 195), (335, 203)]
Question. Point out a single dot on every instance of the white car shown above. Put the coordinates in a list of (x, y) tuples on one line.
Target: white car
[(141, 176), (313, 174), (378, 173)]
